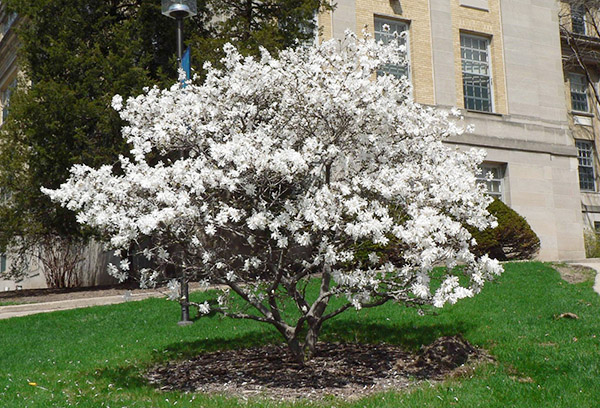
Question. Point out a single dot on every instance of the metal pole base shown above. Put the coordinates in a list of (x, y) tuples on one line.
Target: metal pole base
[(185, 306)]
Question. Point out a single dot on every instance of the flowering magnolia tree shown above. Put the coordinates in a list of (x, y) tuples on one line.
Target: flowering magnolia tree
[(277, 171)]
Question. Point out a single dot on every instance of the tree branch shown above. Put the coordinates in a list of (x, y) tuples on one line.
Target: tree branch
[(573, 45)]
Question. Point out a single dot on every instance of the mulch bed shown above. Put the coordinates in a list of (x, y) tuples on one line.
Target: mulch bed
[(343, 370)]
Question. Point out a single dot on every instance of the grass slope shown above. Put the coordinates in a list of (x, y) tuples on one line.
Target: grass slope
[(93, 357)]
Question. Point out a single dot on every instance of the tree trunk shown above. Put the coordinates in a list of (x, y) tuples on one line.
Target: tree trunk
[(302, 351), (248, 16), (310, 342), (296, 350)]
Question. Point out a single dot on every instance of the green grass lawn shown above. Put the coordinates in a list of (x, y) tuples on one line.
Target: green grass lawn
[(93, 357)]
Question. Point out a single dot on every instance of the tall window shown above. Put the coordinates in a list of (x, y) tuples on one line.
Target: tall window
[(10, 19), (5, 95), (493, 184), (2, 263), (384, 31), (476, 72), (578, 18), (579, 93), (585, 156)]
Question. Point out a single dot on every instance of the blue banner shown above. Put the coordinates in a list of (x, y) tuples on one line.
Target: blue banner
[(186, 63)]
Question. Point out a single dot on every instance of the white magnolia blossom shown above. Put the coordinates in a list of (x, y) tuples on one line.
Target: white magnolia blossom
[(204, 308), (174, 289), (273, 169)]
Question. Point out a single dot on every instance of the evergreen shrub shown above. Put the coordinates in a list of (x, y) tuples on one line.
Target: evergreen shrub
[(512, 239), (592, 244)]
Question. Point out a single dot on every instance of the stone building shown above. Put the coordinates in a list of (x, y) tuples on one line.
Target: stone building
[(8, 79), (580, 41), (500, 62), (8, 58)]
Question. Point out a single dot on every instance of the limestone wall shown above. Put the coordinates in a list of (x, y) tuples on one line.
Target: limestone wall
[(528, 131)]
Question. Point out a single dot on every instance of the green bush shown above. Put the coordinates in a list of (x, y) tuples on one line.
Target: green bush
[(592, 244), (512, 239)]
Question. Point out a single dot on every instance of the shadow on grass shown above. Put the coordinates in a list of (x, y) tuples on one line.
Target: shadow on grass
[(408, 335), (132, 377), (189, 349), (126, 377), (340, 330)]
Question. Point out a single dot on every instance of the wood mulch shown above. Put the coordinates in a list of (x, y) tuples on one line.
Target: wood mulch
[(343, 370)]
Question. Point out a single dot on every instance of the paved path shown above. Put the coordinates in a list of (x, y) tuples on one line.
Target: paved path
[(7, 312), (593, 263)]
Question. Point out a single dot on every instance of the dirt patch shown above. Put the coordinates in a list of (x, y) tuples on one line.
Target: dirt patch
[(347, 371), (575, 273)]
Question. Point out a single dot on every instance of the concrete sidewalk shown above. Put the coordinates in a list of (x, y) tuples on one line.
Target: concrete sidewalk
[(593, 263), (6, 312)]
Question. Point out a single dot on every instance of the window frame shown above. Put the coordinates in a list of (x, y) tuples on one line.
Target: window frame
[(585, 165), (596, 227), (578, 19), (498, 170), (488, 64), (585, 92), (5, 95), (8, 22), (386, 37)]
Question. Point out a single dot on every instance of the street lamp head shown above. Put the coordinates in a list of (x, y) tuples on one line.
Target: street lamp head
[(179, 9)]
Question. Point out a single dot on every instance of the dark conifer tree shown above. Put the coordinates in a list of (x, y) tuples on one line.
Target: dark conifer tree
[(77, 54)]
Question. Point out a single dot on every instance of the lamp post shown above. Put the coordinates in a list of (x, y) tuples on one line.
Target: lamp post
[(180, 10)]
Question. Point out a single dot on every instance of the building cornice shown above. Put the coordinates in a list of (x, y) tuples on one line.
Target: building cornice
[(477, 140)]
